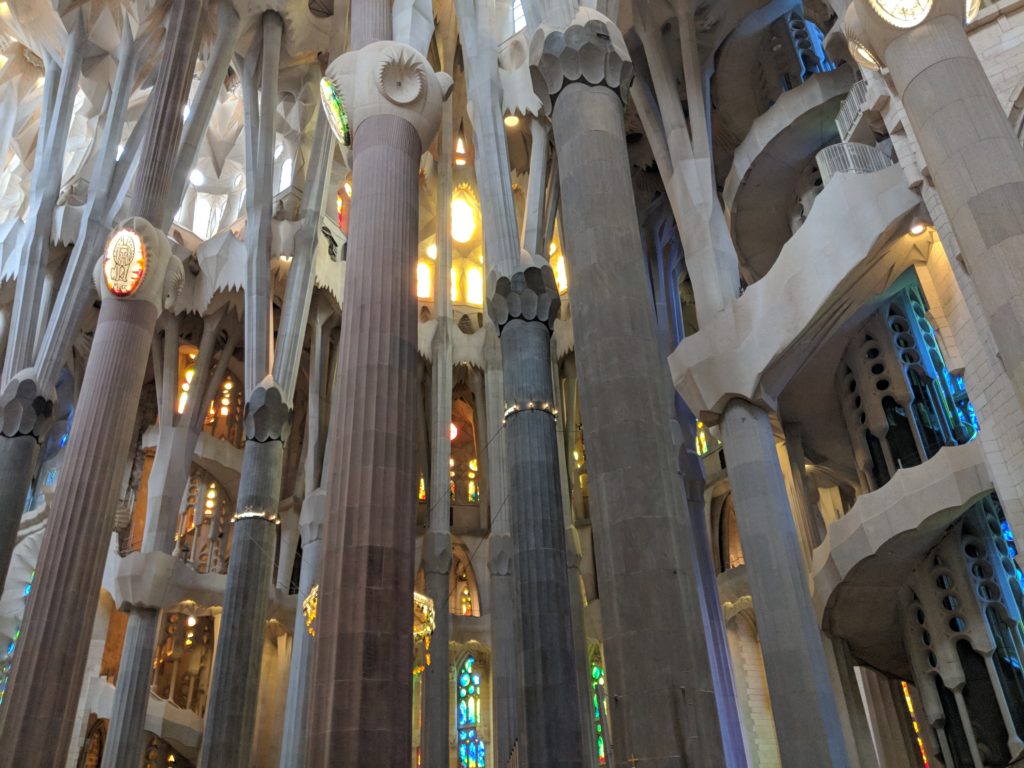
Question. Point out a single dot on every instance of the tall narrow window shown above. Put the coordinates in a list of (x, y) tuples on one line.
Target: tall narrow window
[(597, 700), (475, 286), (471, 746), (518, 16)]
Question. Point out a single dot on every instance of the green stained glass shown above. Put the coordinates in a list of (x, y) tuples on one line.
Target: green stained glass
[(335, 111)]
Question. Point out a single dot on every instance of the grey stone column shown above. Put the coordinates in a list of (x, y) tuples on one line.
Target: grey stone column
[(231, 712), (973, 156), (36, 727), (437, 543), (804, 708), (296, 711), (658, 662), (524, 307), (504, 605), (24, 419)]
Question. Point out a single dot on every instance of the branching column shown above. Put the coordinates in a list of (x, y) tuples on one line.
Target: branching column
[(658, 663), (524, 307), (362, 689)]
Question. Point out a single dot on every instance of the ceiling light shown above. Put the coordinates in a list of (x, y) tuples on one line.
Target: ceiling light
[(511, 121), (197, 178), (918, 228)]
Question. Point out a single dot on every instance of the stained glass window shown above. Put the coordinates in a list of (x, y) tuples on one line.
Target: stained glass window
[(597, 697), (913, 720), (471, 746), (7, 659)]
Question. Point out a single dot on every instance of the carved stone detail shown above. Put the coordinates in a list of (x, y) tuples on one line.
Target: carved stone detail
[(531, 294), (24, 410), (389, 78), (500, 561), (437, 552), (591, 50), (267, 415)]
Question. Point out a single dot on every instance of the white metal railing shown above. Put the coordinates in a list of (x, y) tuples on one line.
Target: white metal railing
[(850, 157), (849, 111)]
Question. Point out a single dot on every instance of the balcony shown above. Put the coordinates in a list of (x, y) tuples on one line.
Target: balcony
[(850, 157)]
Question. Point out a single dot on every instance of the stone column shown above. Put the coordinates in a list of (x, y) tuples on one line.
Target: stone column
[(504, 605), (234, 685), (806, 717), (362, 689), (658, 663), (43, 694), (25, 417), (524, 307), (437, 543), (972, 154), (296, 717)]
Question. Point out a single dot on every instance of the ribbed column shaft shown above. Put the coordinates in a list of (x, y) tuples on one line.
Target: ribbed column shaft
[(362, 689), (234, 686), (296, 718), (371, 22), (173, 80), (48, 667), (803, 705), (435, 746), (664, 710), (17, 461), (551, 728), (128, 719)]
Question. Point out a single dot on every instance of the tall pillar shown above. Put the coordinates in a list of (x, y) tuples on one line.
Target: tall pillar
[(524, 307), (36, 727), (234, 684), (437, 543), (658, 663), (362, 690), (806, 717), (973, 155), (296, 718), (504, 605)]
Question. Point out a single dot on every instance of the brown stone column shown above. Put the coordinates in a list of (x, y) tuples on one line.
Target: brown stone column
[(362, 687)]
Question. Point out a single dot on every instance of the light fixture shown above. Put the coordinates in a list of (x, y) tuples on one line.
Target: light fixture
[(453, 432), (191, 621), (511, 121), (864, 56), (918, 228), (903, 14), (196, 177)]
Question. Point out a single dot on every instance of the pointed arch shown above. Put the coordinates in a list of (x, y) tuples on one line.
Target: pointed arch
[(464, 597)]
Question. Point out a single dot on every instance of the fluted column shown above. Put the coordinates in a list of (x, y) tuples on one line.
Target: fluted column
[(234, 685), (664, 713), (803, 705), (48, 668), (25, 417), (524, 308), (296, 718), (505, 690), (362, 690)]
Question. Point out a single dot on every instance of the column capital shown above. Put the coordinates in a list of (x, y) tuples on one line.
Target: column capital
[(591, 50), (499, 563), (869, 31), (267, 414), (384, 78), (437, 552), (137, 265), (24, 409), (530, 294)]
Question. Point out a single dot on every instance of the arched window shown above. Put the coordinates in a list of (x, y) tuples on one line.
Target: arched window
[(464, 600), (475, 286), (471, 747), (424, 280)]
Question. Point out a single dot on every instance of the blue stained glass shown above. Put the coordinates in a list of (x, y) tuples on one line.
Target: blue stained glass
[(471, 746)]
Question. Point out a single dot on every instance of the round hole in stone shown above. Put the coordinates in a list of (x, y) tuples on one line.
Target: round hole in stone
[(950, 603), (926, 638), (919, 615), (943, 581), (957, 624), (932, 661), (873, 353), (877, 368), (882, 384)]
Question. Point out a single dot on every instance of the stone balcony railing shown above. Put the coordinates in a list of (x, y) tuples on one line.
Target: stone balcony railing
[(850, 157)]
